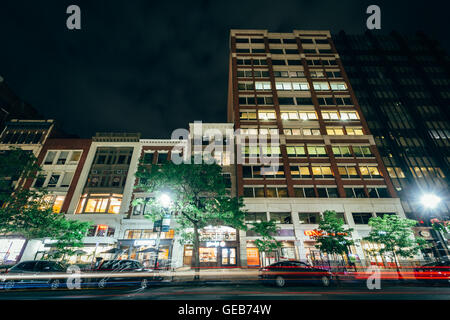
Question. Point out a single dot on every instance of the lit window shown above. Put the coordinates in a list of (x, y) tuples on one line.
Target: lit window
[(321, 85), (75, 157), (354, 131), (338, 86)]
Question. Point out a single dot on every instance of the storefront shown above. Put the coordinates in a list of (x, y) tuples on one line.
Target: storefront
[(11, 249), (218, 248), (93, 248), (213, 254), (144, 250), (255, 258), (315, 257)]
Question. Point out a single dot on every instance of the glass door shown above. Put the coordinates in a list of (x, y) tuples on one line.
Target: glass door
[(228, 256)]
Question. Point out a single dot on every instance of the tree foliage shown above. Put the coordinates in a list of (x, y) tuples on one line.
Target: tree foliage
[(199, 198), (27, 212), (333, 238), (266, 230), (395, 235)]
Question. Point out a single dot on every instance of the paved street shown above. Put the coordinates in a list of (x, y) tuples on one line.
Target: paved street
[(236, 291)]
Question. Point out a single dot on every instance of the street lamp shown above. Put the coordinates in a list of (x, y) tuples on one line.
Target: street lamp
[(430, 200), (165, 201)]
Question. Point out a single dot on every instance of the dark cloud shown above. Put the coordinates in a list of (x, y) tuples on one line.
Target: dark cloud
[(151, 67)]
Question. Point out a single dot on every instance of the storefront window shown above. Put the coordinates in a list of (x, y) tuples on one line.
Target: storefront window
[(208, 255), (252, 257), (10, 250)]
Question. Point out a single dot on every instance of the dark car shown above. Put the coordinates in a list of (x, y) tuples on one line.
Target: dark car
[(434, 273), (134, 274), (284, 272), (42, 274)]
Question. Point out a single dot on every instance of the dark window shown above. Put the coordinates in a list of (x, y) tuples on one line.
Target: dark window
[(372, 192), (122, 159), (361, 217), (360, 193), (279, 62), (241, 40), (333, 193), (299, 192), (291, 51), (258, 50), (383, 193), (307, 101), (276, 51), (148, 158), (322, 192), (349, 193), (162, 157), (247, 171), (294, 62), (255, 216), (248, 192), (91, 231), (281, 217), (286, 101), (39, 181), (257, 40), (274, 40), (101, 159), (289, 41), (309, 218), (309, 192)]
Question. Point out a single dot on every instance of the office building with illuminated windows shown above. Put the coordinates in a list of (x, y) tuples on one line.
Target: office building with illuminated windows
[(293, 87), (402, 84)]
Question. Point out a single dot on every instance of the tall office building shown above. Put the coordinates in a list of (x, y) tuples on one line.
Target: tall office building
[(292, 86), (403, 87)]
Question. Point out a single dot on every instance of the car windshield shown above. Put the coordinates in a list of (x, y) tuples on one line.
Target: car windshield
[(24, 266)]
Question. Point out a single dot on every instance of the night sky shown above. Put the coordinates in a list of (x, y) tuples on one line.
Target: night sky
[(154, 66)]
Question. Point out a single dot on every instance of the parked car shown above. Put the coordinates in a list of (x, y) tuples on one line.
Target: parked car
[(140, 276), (284, 272), (434, 273), (34, 268)]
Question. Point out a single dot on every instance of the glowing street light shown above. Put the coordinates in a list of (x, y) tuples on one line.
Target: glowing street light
[(430, 200), (165, 200)]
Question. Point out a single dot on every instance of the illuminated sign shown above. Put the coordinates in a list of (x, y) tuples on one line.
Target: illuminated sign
[(312, 233), (144, 243), (215, 243), (317, 233)]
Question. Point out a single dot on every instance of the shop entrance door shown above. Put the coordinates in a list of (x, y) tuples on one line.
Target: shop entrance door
[(228, 257)]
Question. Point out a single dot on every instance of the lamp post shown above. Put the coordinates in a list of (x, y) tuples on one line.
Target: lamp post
[(166, 202), (429, 202)]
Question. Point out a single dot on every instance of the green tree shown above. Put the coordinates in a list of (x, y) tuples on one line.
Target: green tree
[(333, 238), (395, 236), (198, 198), (27, 212), (267, 243)]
